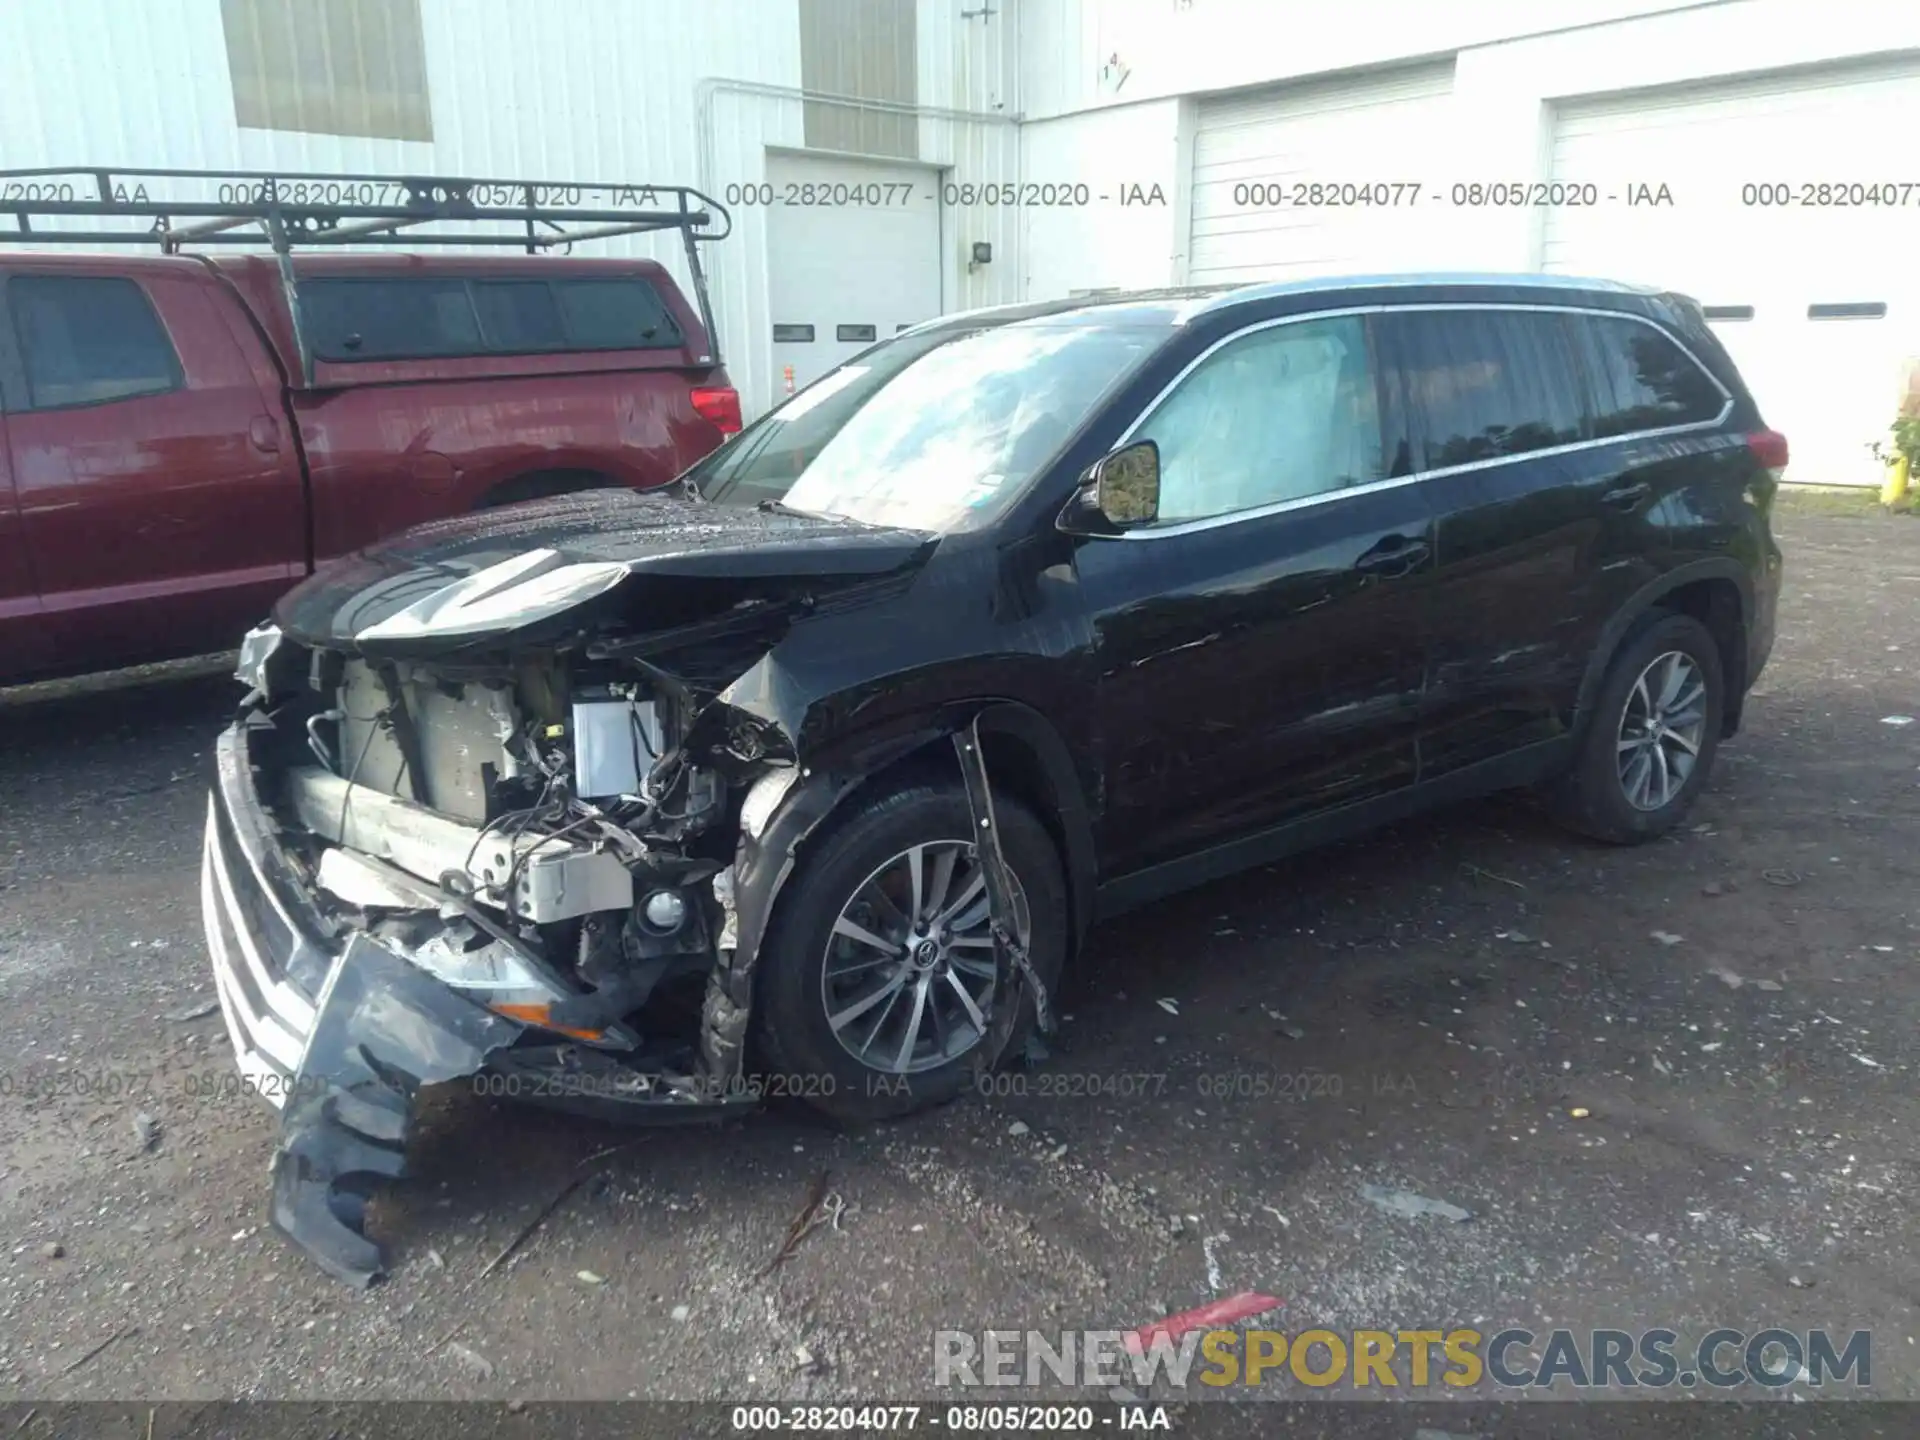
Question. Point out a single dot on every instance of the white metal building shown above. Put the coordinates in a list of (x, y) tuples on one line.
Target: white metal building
[(1009, 149)]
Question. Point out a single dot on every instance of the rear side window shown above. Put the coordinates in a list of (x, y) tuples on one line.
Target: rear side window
[(441, 317), (389, 319), (89, 339), (519, 315), (1639, 378), (1471, 385), (615, 315)]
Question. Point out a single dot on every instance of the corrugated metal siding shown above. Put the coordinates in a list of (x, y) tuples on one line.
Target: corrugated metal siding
[(1191, 47), (595, 90), (862, 48), (332, 67), (972, 65)]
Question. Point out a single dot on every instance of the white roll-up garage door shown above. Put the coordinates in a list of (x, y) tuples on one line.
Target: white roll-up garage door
[(1351, 132), (1815, 291), (853, 257)]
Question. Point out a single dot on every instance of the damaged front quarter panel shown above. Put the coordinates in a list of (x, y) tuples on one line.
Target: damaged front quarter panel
[(383, 1028), (785, 806)]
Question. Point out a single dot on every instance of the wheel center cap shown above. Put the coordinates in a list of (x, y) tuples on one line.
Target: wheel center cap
[(925, 953)]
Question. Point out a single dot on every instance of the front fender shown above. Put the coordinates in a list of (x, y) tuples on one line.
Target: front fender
[(764, 860)]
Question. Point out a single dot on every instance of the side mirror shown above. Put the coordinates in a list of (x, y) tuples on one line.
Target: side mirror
[(1122, 489)]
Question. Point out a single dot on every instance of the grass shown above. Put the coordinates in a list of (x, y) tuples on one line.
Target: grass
[(1857, 500)]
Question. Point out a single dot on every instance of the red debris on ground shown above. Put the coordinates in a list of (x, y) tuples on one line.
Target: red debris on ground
[(1207, 1317)]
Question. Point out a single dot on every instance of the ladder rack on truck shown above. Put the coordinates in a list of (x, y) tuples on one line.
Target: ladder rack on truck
[(285, 211)]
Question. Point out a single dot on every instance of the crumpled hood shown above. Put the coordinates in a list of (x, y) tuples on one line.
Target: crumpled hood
[(654, 560)]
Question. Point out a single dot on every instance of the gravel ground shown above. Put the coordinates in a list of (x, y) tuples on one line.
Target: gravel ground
[(1731, 1012)]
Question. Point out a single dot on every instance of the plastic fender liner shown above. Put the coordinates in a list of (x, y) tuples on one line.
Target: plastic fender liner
[(1009, 952), (760, 868), (382, 1029), (763, 862)]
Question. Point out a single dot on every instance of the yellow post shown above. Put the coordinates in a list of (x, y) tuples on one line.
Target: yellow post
[(1895, 488)]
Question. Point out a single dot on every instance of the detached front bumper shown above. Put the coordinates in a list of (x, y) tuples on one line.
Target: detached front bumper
[(337, 1032), (271, 951)]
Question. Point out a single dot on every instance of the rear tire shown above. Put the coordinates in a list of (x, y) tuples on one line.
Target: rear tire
[(1649, 747), (826, 1031)]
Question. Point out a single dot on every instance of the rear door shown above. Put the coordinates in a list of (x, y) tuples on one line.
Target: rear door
[(1529, 554), (156, 495), (1552, 442), (1259, 648)]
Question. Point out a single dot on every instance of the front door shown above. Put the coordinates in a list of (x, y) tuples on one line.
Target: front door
[(1258, 648), (161, 509)]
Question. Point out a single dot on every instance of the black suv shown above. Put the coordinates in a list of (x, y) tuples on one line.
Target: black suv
[(806, 778)]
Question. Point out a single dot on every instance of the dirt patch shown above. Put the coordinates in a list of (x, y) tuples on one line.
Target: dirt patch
[(1424, 1010)]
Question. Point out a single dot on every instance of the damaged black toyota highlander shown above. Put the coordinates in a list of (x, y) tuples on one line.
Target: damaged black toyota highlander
[(807, 775)]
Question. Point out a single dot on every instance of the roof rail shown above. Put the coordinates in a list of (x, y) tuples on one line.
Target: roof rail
[(312, 210)]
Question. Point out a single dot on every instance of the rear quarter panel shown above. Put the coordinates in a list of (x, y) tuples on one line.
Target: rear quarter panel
[(1727, 512)]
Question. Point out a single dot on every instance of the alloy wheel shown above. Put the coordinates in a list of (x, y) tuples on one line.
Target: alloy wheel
[(1661, 730), (910, 972)]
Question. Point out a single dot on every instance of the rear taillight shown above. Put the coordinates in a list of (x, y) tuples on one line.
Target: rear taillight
[(1769, 447), (721, 405)]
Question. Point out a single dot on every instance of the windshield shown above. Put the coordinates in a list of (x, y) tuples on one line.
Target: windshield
[(927, 432)]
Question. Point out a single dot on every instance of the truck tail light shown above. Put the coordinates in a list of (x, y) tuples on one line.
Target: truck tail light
[(1769, 447), (721, 405)]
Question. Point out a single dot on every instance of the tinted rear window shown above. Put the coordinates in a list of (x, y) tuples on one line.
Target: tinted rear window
[(519, 315), (88, 339), (438, 317), (1469, 385), (615, 315), (1640, 379)]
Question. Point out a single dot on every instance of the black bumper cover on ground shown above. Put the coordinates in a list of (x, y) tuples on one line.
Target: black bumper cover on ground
[(382, 1030), (342, 1032)]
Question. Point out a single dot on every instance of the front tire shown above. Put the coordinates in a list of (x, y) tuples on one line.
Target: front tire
[(870, 1005), (1649, 748)]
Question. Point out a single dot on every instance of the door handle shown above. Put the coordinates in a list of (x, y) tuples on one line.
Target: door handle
[(1625, 497), (1394, 555), (264, 434)]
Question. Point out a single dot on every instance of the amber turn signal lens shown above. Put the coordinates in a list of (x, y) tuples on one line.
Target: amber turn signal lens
[(540, 1015)]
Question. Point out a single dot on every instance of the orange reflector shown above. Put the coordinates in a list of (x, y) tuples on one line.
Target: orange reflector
[(539, 1015)]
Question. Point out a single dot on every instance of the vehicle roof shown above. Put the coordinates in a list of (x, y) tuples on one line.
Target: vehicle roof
[(1179, 305), (106, 258)]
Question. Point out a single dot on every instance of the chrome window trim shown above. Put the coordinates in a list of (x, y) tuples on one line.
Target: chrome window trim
[(1280, 507), (1253, 291)]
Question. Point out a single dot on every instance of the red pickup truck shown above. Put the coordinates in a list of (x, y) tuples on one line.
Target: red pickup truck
[(175, 452)]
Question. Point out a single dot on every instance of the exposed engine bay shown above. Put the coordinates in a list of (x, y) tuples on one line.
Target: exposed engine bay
[(514, 798), (540, 840)]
